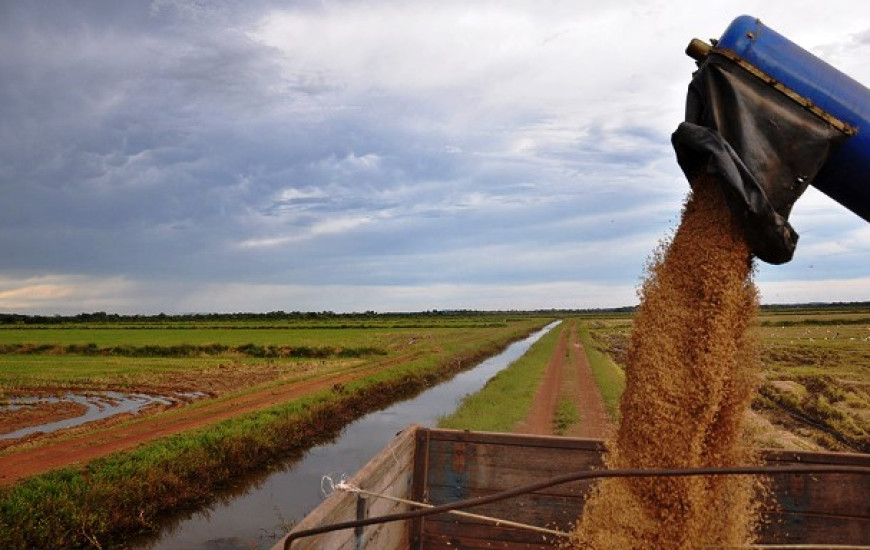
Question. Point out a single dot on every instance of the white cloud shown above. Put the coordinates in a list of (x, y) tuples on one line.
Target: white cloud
[(803, 291), (292, 194), (329, 226), (347, 298), (61, 294), (351, 163), (441, 149)]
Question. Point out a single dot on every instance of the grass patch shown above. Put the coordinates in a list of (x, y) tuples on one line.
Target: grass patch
[(609, 377), (109, 337), (506, 399), (122, 357), (566, 416)]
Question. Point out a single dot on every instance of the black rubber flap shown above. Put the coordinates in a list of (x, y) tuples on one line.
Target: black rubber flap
[(760, 145)]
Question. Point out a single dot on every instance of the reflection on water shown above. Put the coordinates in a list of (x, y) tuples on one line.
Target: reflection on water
[(99, 405), (258, 514)]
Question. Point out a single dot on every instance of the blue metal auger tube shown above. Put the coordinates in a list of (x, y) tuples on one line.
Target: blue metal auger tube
[(766, 118), (845, 177)]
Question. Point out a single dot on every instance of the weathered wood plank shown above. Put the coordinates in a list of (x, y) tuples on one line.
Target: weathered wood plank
[(826, 494), (512, 457), (817, 457), (468, 467), (389, 472), (789, 528), (391, 477), (452, 543), (549, 512), (469, 535), (516, 440), (419, 485), (442, 494)]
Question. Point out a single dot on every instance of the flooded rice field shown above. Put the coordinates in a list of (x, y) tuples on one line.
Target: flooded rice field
[(259, 510), (22, 416)]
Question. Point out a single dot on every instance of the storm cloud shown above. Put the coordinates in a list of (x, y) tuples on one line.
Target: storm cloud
[(182, 156)]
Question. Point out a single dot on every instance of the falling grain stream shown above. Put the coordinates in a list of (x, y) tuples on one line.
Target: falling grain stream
[(691, 370)]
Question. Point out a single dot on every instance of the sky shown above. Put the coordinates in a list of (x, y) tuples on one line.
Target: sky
[(187, 156)]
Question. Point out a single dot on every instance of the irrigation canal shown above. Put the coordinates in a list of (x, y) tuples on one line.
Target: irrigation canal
[(258, 514)]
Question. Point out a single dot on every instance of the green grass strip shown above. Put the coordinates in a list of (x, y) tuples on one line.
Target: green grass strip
[(609, 377), (507, 398)]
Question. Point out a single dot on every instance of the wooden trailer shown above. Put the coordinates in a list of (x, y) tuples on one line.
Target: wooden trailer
[(437, 467)]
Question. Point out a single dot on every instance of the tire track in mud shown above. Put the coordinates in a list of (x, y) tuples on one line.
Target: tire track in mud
[(581, 388), (539, 420), (594, 421), (97, 442)]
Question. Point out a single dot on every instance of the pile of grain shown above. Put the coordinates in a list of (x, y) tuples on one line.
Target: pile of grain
[(691, 370)]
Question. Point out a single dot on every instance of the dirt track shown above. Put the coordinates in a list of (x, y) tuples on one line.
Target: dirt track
[(82, 446), (568, 366)]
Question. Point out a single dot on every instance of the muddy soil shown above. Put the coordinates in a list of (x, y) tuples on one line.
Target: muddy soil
[(36, 455), (181, 387), (38, 414), (594, 421)]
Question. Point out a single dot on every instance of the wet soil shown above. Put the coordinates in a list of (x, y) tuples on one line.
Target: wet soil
[(85, 443), (38, 414)]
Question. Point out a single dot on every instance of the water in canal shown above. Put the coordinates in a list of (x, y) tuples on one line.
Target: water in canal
[(258, 515)]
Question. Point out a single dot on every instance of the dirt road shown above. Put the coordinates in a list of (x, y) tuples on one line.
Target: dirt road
[(568, 374)]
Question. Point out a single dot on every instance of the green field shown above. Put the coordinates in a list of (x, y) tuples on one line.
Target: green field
[(815, 386), (817, 372), (814, 393), (127, 353), (609, 375), (399, 356)]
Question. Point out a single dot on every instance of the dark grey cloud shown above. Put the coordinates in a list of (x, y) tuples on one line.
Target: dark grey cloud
[(180, 145)]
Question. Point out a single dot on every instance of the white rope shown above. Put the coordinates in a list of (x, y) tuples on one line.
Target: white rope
[(342, 485), (326, 482)]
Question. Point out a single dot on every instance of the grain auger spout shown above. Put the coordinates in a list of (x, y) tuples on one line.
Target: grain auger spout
[(766, 118)]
